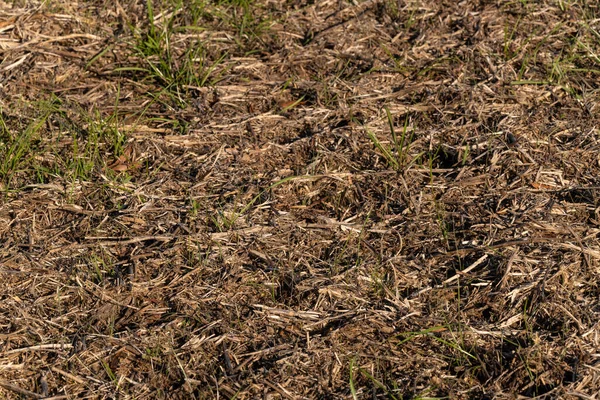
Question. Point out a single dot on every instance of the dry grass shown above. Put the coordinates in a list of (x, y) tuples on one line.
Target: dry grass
[(333, 199)]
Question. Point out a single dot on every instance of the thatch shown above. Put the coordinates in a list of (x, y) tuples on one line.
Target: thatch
[(367, 199)]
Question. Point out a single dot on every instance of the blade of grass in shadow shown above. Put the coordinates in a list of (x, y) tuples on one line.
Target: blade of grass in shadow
[(377, 383), (280, 182), (394, 138), (352, 388), (391, 160), (274, 185), (428, 331), (453, 346), (400, 150)]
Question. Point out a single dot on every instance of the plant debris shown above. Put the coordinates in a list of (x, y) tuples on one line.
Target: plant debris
[(294, 200)]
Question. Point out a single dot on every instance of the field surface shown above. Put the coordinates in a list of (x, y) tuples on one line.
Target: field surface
[(238, 199)]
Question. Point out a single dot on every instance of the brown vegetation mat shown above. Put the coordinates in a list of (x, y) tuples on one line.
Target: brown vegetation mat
[(299, 199)]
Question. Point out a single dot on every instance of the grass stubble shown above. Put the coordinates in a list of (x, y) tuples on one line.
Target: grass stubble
[(262, 199)]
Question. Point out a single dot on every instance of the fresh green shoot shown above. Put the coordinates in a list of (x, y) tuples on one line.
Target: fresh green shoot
[(352, 386), (395, 157), (429, 332), (173, 72), (398, 64), (241, 16), (292, 105), (109, 372), (509, 36), (533, 55), (408, 336), (15, 153)]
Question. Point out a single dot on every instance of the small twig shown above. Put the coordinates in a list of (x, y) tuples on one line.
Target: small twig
[(583, 252), (68, 375), (17, 389), (500, 245), (466, 270), (279, 389), (41, 347)]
